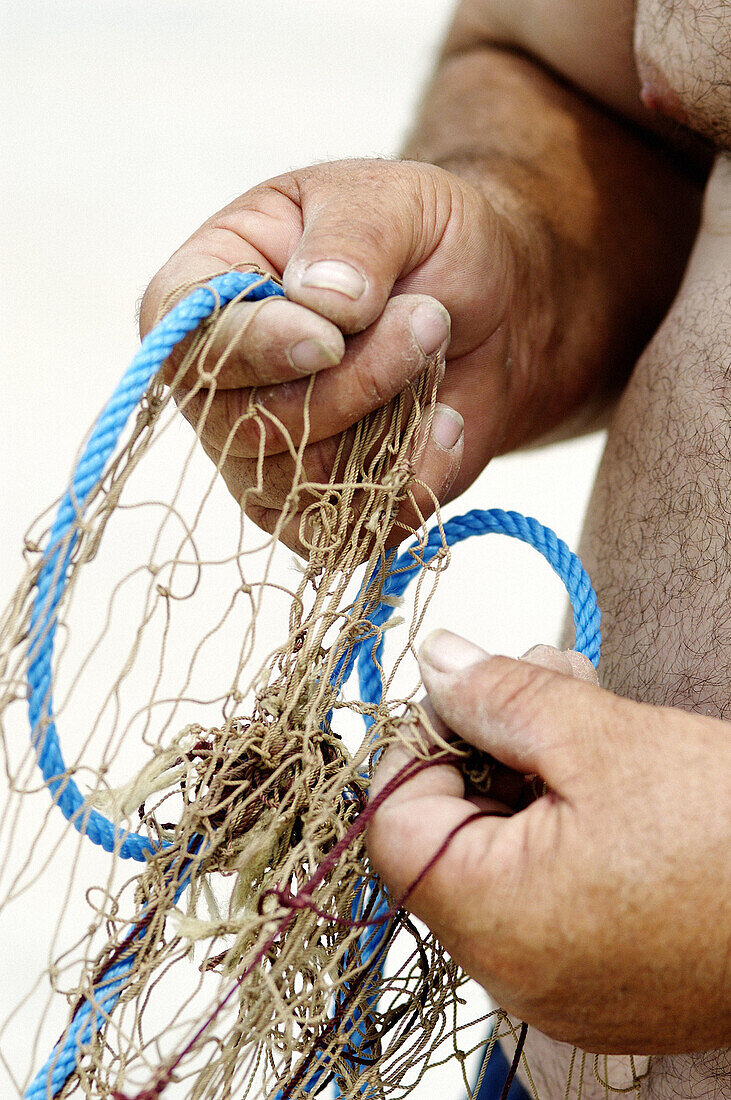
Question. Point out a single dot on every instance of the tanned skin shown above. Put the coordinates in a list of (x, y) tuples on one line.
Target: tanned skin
[(554, 200)]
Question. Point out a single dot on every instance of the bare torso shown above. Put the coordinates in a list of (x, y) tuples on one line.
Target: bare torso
[(657, 543)]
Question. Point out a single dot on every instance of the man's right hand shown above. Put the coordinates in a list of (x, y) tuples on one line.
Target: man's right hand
[(375, 257)]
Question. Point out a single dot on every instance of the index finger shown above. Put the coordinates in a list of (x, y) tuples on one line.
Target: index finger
[(263, 343), (422, 813), (260, 230)]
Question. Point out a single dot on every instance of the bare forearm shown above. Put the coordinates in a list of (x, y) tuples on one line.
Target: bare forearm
[(605, 217)]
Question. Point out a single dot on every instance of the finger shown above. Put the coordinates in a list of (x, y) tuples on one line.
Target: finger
[(258, 230), (433, 851), (266, 343), (377, 366), (567, 662), (396, 225), (365, 223), (530, 718), (271, 483), (399, 854), (435, 471), (263, 491), (442, 779), (474, 880), (509, 790), (405, 838), (439, 779)]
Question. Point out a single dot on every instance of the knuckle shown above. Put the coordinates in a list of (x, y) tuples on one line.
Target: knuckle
[(319, 458), (372, 384), (384, 825), (516, 691), (154, 300), (272, 435), (190, 405), (265, 518), (249, 436), (231, 424), (251, 430), (235, 425), (417, 507)]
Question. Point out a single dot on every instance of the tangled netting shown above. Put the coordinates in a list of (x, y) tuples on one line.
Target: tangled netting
[(251, 952)]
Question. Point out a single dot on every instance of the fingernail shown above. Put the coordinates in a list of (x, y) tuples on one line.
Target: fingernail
[(541, 650), (430, 326), (447, 426), (309, 356), (334, 275), (447, 652)]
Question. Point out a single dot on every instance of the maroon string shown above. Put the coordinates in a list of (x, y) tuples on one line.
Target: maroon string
[(293, 902), (515, 1062)]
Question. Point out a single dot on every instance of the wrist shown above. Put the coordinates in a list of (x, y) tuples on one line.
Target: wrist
[(537, 334), (499, 270), (562, 371)]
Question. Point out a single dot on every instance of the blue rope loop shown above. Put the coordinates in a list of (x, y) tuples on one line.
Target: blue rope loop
[(182, 319), (367, 652), (494, 521)]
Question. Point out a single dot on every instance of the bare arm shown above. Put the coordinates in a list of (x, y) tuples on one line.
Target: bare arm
[(538, 105), (553, 229)]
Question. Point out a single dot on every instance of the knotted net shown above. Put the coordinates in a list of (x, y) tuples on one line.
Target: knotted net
[(234, 941)]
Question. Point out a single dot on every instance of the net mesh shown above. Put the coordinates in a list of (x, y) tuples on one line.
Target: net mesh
[(249, 952)]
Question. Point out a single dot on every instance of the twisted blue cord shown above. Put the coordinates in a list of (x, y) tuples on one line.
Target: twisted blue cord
[(90, 1017), (563, 561), (51, 582), (367, 651)]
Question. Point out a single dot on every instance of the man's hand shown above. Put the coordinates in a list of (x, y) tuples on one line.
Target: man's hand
[(600, 913), (365, 249)]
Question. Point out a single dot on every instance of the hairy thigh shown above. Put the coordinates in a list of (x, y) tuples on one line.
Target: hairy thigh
[(658, 534), (657, 543)]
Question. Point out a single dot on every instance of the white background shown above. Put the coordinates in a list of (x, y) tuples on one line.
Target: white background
[(125, 124)]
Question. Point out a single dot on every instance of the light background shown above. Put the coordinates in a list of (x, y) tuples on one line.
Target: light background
[(125, 124)]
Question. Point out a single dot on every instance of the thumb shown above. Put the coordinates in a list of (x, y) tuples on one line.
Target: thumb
[(534, 715), (365, 225)]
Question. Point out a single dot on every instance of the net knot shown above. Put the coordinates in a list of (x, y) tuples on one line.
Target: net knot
[(286, 898)]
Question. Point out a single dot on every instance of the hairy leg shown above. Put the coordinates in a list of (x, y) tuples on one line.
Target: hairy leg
[(657, 540)]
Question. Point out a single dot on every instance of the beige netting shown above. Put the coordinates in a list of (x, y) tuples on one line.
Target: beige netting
[(240, 959), (239, 768)]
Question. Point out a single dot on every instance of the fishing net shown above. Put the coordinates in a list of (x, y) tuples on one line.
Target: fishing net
[(226, 937)]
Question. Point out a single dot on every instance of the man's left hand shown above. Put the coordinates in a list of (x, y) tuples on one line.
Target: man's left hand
[(600, 912)]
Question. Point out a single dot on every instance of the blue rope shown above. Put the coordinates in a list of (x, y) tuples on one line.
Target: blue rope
[(50, 585), (90, 1017), (563, 561), (369, 651)]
